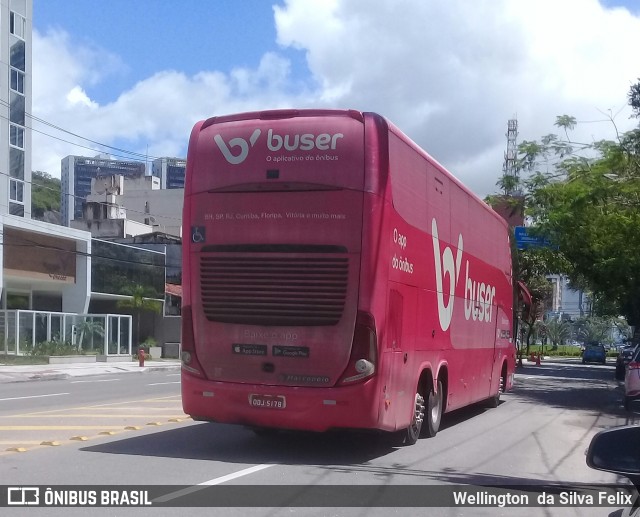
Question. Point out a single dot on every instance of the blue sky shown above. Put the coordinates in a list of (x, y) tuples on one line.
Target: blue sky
[(138, 74), (150, 35)]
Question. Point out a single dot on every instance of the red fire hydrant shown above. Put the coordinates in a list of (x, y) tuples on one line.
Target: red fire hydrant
[(140, 356)]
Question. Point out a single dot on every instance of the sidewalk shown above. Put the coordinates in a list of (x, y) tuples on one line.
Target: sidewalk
[(41, 372)]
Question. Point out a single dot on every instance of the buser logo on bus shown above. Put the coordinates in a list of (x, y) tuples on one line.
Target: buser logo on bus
[(275, 142), (236, 142), (478, 296)]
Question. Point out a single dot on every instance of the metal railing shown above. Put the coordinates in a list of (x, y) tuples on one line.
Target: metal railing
[(25, 332)]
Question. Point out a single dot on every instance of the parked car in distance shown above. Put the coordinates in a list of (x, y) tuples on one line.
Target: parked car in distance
[(594, 354), (632, 380), (624, 358)]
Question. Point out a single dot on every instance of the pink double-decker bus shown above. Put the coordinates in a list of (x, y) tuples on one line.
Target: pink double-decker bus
[(336, 276)]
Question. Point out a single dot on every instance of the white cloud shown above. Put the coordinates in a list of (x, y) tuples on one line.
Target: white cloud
[(449, 74), (78, 96), (153, 118)]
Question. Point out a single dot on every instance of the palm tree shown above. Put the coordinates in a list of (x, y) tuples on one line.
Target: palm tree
[(558, 332), (140, 299), (593, 329), (88, 329)]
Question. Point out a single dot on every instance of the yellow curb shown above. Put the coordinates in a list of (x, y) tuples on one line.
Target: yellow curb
[(133, 428), (51, 443), (16, 449), (154, 423), (79, 438), (109, 433)]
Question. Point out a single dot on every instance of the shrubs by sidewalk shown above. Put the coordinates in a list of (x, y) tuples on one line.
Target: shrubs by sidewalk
[(17, 360)]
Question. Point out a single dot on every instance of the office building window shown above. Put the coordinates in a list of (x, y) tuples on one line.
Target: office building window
[(17, 109), (16, 163), (117, 268), (17, 25), (16, 209), (18, 55), (17, 80), (16, 190), (16, 136)]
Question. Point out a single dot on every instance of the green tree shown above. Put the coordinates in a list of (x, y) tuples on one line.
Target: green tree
[(634, 98), (86, 331), (140, 300), (585, 198), (531, 267), (558, 332), (593, 329)]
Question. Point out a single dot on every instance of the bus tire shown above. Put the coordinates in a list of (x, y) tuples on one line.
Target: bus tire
[(494, 401), (433, 416), (410, 435)]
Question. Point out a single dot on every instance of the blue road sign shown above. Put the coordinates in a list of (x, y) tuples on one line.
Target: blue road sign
[(524, 240)]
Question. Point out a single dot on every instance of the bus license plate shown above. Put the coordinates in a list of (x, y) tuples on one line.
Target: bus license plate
[(268, 401)]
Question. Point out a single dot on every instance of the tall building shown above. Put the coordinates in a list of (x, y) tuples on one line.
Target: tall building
[(566, 302), (77, 173), (43, 267), (170, 171), (15, 104)]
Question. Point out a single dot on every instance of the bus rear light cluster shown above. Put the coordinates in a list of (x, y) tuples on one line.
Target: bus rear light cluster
[(364, 351), (189, 359)]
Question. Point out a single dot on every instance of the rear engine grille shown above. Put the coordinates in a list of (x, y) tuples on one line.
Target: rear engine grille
[(274, 289)]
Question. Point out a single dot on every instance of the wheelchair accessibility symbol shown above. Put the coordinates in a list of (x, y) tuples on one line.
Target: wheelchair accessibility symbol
[(197, 234)]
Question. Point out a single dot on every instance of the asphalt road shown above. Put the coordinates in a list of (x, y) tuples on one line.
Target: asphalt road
[(538, 434)]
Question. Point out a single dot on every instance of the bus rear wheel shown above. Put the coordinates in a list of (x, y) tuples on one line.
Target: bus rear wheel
[(410, 435), (494, 401), (434, 412)]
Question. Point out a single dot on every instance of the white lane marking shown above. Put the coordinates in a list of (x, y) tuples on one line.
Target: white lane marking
[(160, 383), (174, 374), (211, 482), (100, 380), (36, 396)]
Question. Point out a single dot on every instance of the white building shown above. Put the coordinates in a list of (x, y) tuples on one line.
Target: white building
[(76, 174), (139, 199), (15, 104), (566, 302), (44, 266)]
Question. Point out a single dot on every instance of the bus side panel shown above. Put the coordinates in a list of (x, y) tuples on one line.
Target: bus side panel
[(455, 250)]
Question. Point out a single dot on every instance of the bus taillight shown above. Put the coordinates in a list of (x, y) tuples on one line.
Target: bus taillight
[(189, 359), (364, 355)]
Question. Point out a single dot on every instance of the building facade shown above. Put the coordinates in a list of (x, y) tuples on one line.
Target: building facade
[(44, 266), (567, 303), (15, 105), (140, 199), (170, 171), (77, 173)]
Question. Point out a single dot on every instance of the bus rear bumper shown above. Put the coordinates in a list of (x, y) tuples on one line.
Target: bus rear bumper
[(296, 408)]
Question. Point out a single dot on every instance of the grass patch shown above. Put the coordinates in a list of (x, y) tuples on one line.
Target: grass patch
[(16, 360), (561, 351)]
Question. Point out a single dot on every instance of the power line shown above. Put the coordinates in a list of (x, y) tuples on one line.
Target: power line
[(142, 156), (34, 244), (32, 183)]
